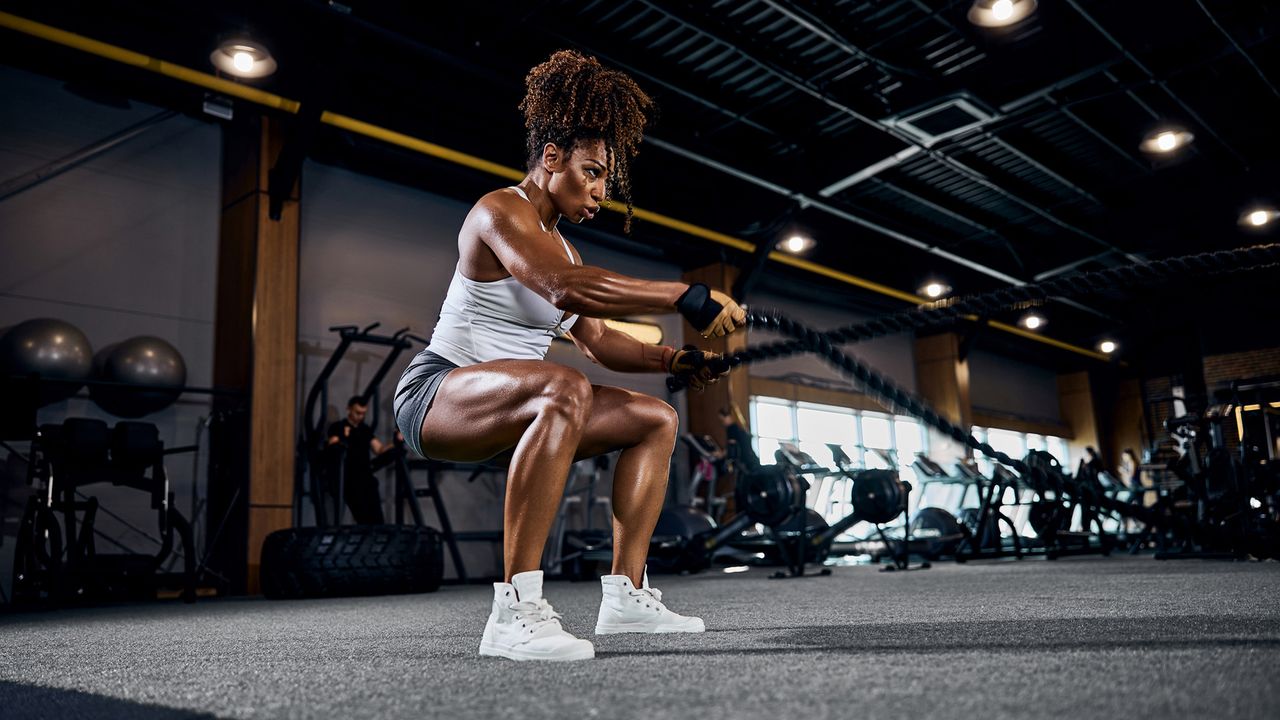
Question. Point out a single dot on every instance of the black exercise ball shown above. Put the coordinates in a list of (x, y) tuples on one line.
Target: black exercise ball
[(51, 348), (152, 369)]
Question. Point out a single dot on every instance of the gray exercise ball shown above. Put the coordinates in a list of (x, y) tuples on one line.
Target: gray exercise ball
[(51, 348), (153, 370)]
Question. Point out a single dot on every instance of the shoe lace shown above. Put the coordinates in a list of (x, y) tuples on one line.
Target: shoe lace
[(536, 613), (653, 594)]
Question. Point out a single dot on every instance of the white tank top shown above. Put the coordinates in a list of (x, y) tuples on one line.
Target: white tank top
[(496, 320)]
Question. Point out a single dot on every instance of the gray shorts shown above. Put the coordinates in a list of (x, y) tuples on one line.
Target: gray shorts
[(415, 392)]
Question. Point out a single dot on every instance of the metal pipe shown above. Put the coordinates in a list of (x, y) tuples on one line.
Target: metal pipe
[(26, 181)]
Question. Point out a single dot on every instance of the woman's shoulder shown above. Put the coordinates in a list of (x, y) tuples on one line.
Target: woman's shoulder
[(501, 205)]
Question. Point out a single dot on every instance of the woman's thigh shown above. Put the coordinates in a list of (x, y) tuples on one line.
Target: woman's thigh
[(481, 411), (623, 418)]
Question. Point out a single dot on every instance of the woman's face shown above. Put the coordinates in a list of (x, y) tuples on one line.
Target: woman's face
[(578, 180)]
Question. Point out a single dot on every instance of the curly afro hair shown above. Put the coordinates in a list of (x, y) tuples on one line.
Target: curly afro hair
[(572, 97)]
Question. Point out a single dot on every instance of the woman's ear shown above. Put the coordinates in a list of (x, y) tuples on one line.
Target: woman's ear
[(552, 158)]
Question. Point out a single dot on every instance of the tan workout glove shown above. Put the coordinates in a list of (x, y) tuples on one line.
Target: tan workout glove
[(711, 312), (696, 369)]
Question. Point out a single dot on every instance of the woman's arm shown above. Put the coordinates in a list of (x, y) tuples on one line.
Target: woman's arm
[(617, 350), (509, 227)]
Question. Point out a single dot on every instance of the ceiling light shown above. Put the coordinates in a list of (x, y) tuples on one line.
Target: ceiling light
[(1032, 321), (242, 61), (1165, 140), (999, 13), (934, 289), (797, 244), (243, 58), (1108, 346), (1258, 217)]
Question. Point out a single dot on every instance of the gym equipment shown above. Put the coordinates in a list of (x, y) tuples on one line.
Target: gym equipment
[(983, 539), (314, 461), (329, 560), (708, 459), (937, 533), (62, 564), (677, 527), (355, 560), (52, 349), (140, 376), (877, 497), (1255, 533), (582, 553)]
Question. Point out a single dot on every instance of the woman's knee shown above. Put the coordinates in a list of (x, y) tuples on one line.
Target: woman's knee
[(657, 417), (567, 392)]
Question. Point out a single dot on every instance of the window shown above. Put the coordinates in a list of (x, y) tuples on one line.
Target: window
[(870, 439)]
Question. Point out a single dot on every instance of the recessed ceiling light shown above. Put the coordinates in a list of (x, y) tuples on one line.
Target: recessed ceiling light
[(1165, 140), (1108, 346), (934, 289), (1032, 321), (243, 58), (999, 13), (796, 244), (1258, 217)]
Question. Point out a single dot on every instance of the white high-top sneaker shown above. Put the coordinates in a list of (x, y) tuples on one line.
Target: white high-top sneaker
[(523, 626), (625, 609)]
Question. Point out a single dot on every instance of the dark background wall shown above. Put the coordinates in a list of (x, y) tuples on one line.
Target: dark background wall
[(124, 245), (1009, 387)]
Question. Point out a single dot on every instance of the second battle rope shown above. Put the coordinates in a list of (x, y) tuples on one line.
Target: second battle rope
[(1256, 257)]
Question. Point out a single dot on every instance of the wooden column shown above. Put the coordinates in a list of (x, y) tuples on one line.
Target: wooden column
[(257, 334), (942, 380), (1127, 423), (735, 390), (1075, 402)]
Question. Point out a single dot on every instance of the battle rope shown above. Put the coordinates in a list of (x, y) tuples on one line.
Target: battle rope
[(809, 340), (1257, 257)]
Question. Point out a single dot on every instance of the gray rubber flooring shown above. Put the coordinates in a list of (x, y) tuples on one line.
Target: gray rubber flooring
[(1080, 638)]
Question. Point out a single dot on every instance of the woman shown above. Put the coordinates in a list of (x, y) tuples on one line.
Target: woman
[(482, 388)]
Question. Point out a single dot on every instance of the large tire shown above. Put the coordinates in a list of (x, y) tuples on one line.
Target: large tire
[(353, 560)]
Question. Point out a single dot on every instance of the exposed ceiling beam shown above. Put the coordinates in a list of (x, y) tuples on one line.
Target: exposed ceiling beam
[(1158, 82), (870, 171), (957, 166), (1266, 81), (806, 201)]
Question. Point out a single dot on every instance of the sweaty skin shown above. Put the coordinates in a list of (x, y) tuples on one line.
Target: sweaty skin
[(543, 415)]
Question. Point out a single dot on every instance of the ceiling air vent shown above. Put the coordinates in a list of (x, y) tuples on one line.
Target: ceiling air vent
[(942, 119)]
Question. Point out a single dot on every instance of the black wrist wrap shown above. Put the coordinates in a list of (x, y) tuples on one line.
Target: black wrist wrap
[(697, 306)]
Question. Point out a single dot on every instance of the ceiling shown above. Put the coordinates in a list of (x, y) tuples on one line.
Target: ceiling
[(910, 143)]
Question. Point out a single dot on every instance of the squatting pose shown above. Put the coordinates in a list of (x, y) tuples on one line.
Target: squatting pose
[(483, 389)]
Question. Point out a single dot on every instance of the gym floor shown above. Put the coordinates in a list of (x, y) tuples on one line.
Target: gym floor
[(1090, 636)]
